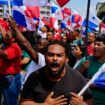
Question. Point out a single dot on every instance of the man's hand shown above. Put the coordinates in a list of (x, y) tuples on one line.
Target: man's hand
[(76, 100), (3, 31), (84, 66), (61, 100), (12, 23)]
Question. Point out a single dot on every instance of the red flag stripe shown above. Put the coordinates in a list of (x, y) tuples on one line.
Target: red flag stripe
[(62, 2)]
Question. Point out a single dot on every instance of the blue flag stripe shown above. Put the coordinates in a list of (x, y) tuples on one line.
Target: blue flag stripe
[(13, 2), (19, 18), (90, 24)]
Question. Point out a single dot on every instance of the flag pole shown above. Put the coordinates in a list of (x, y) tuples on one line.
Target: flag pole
[(87, 18), (9, 7), (96, 75)]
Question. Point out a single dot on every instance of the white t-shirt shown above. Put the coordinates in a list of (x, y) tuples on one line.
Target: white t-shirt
[(43, 35), (33, 66)]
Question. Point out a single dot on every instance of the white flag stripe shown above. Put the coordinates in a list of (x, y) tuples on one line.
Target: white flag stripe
[(96, 75)]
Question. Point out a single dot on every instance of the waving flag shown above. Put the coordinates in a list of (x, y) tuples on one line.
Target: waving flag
[(66, 23), (53, 19), (42, 22), (12, 2), (54, 23), (54, 8), (93, 22), (56, 11), (76, 18), (66, 12), (98, 79), (62, 2), (35, 2), (58, 14), (63, 25), (32, 11), (24, 16), (25, 2), (40, 25)]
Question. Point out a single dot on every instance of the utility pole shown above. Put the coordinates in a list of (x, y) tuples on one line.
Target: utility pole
[(87, 19)]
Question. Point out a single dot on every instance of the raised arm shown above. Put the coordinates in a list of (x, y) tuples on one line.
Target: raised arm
[(23, 41), (3, 53)]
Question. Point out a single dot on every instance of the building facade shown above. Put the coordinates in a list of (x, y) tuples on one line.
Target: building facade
[(45, 12), (101, 11), (1, 11)]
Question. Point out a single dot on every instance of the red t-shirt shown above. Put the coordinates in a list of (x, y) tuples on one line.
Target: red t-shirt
[(11, 65), (90, 49)]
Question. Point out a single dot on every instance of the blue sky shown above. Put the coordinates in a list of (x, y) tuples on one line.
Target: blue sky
[(81, 6)]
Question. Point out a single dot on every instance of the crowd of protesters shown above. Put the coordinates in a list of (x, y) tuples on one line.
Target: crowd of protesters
[(49, 66)]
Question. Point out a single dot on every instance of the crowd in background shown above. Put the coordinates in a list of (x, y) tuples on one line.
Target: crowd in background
[(17, 61)]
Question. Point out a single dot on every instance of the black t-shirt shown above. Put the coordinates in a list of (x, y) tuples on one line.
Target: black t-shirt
[(38, 86)]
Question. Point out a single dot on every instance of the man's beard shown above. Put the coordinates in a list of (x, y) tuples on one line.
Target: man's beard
[(59, 71)]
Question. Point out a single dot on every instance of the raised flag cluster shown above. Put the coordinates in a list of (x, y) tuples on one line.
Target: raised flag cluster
[(25, 2), (32, 2), (56, 15), (25, 16), (28, 16)]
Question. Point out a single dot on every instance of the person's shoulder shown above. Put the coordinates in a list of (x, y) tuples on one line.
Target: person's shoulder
[(71, 70), (90, 57), (74, 73), (15, 46), (40, 54), (86, 58), (37, 72)]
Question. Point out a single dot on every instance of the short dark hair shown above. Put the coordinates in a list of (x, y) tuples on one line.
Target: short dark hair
[(64, 45), (100, 38)]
